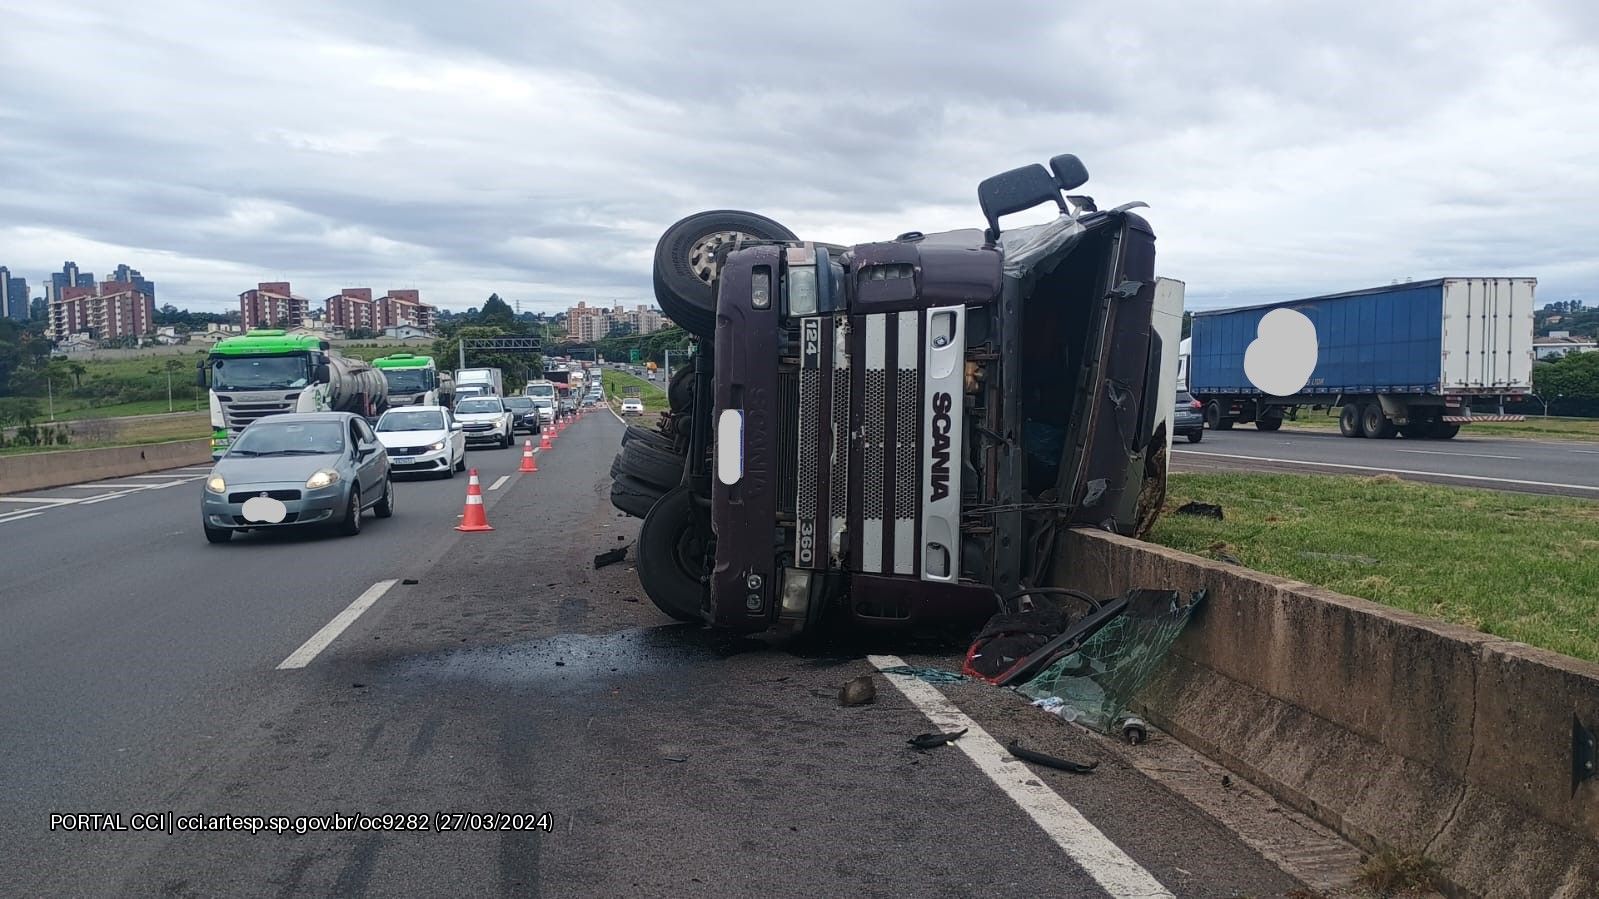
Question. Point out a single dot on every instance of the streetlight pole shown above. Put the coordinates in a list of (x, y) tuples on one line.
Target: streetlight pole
[(169, 390), (50, 391)]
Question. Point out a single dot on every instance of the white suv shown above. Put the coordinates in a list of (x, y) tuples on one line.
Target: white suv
[(632, 406)]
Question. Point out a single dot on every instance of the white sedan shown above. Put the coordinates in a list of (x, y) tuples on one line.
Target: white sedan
[(422, 439)]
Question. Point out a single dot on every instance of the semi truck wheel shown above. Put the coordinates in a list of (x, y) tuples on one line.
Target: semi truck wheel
[(1349, 421), (633, 496), (685, 262), (651, 464), (1374, 424), (671, 555), (1444, 430), (644, 435), (1269, 423), (1214, 419)]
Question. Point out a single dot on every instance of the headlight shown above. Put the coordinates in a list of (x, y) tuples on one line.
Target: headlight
[(215, 484), (436, 446), (323, 478)]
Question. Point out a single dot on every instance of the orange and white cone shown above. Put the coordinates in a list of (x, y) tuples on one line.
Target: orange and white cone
[(544, 438), (527, 457), (473, 517)]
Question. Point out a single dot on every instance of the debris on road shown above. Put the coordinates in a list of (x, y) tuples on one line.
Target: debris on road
[(610, 557), (1014, 647), (410, 582), (932, 741), (1203, 510), (1039, 758), (1135, 731), (930, 675), (1095, 680), (857, 691)]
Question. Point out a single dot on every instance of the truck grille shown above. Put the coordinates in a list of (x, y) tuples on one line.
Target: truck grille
[(873, 401), (240, 414), (838, 494), (788, 418)]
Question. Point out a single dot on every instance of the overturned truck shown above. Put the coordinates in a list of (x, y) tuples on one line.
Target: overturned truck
[(891, 435)]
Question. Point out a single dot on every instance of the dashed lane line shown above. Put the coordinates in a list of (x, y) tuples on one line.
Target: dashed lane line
[(319, 641)]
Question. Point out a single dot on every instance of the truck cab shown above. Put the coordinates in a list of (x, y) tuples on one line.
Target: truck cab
[(895, 432), (412, 380)]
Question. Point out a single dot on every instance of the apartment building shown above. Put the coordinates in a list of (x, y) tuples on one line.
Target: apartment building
[(272, 304)]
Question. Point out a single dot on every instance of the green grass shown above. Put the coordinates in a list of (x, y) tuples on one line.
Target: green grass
[(1518, 566), (129, 433), (653, 393), (1534, 426)]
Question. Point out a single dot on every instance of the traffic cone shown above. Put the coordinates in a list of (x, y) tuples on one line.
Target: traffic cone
[(544, 439), (472, 517), (528, 464)]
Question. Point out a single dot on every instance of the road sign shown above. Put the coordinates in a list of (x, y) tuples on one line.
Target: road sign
[(632, 355)]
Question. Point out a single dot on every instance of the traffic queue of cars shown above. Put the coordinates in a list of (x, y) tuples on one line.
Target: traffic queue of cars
[(327, 469)]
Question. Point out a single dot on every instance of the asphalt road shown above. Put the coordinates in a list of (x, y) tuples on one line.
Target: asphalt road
[(139, 673), (1502, 463)]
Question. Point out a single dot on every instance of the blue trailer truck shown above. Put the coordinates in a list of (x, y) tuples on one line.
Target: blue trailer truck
[(1415, 359)]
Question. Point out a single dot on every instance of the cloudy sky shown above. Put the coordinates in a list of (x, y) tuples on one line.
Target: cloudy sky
[(538, 149)]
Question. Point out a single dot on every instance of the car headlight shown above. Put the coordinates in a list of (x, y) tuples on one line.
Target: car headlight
[(324, 478), (215, 484), (436, 446)]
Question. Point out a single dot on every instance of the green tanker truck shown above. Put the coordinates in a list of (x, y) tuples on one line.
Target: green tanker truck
[(270, 372), (415, 380)]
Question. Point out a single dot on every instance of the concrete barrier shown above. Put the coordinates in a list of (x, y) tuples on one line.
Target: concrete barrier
[(1396, 730), (37, 471)]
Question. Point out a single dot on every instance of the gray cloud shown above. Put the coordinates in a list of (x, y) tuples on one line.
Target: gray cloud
[(537, 149)]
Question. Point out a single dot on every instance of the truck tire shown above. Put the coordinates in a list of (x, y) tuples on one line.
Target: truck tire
[(680, 390), (632, 496), (671, 555), (1444, 430), (651, 464), (1213, 415), (644, 435), (685, 262), (1349, 421), (1269, 423), (1374, 424)]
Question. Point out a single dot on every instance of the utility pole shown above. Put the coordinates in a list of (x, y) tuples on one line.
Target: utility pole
[(169, 390), (50, 390)]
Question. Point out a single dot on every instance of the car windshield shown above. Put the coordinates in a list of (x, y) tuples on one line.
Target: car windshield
[(407, 380), (269, 438), (412, 420), (478, 405), (518, 403), (260, 372)]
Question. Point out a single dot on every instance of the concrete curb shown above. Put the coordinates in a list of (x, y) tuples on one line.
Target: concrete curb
[(1392, 728), (38, 471)]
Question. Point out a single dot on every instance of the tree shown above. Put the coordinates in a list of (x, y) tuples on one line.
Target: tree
[(77, 370), (1569, 384), (497, 313)]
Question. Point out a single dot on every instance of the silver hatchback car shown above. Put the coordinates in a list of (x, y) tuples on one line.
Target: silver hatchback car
[(296, 471)]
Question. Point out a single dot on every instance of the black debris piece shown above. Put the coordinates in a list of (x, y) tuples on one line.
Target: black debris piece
[(857, 691), (1048, 761), (410, 582), (675, 758), (610, 557), (358, 686), (931, 741), (1203, 510)]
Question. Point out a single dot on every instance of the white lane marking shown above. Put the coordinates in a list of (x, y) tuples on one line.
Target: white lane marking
[(1434, 474), (1472, 455), (502, 480), (155, 477), (1103, 860), (36, 499), (330, 631), (1587, 452), (7, 519), (100, 499)]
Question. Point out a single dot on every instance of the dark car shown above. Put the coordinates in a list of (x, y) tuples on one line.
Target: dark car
[(525, 413), (294, 471), (1188, 419), (916, 420)]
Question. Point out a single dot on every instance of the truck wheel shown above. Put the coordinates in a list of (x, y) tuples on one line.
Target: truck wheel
[(217, 535), (685, 262), (351, 525), (671, 555), (1349, 421), (633, 496), (1444, 430), (680, 390), (1374, 424), (385, 506), (1269, 423), (646, 436), (651, 464), (1213, 416)]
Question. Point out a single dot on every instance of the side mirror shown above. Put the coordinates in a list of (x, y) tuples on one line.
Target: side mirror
[(457, 426), (1070, 173), (366, 452), (322, 374), (1015, 191)]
